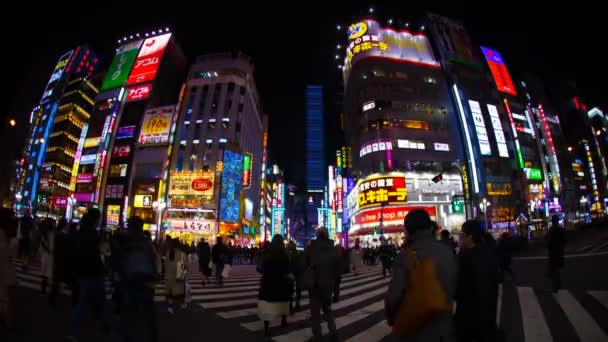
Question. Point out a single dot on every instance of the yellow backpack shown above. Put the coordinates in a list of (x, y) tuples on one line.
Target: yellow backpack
[(424, 298)]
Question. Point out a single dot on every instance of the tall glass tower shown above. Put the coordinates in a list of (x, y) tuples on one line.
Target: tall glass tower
[(314, 139)]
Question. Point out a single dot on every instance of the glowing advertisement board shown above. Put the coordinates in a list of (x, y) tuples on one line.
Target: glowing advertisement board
[(375, 190), (196, 183), (156, 125), (395, 215), (142, 201), (125, 132), (247, 169), (56, 75), (499, 71), (140, 92), (113, 215), (379, 146), (92, 142), (480, 128), (499, 134), (192, 225), (115, 191), (88, 159), (232, 177), (369, 40), (533, 173), (148, 60), (81, 141), (121, 65)]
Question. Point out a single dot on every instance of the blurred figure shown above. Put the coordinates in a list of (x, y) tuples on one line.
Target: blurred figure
[(556, 243), (24, 235), (356, 258), (296, 266), (8, 277), (477, 293), (46, 251), (386, 253), (138, 264), (323, 266), (219, 256), (70, 261), (273, 300), (446, 239), (89, 272), (342, 259), (175, 274), (420, 230), (59, 261), (204, 257), (505, 254)]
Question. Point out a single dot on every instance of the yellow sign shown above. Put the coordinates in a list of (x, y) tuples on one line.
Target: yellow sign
[(385, 189), (198, 183), (113, 215), (357, 30), (142, 201), (91, 142), (156, 125)]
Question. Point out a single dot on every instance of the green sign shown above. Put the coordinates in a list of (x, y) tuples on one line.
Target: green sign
[(533, 173), (457, 206), (121, 66)]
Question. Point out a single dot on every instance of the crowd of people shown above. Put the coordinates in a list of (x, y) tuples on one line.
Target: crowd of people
[(82, 257)]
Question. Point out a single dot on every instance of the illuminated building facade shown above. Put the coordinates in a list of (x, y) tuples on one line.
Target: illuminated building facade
[(58, 125), (220, 123), (402, 128), (315, 147)]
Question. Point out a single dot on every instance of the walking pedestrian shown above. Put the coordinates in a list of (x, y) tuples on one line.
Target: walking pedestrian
[(90, 275), (58, 258), (8, 277), (274, 295), (386, 257), (175, 274), (357, 255), (296, 262), (219, 256), (139, 274), (46, 252), (322, 268), (24, 236), (341, 255), (556, 243), (204, 260), (477, 291), (505, 254), (423, 246)]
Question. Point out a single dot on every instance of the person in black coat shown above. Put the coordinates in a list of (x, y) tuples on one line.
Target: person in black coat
[(556, 243), (274, 292), (477, 291)]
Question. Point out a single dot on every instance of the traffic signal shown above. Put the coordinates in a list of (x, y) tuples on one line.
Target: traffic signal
[(457, 206), (438, 178)]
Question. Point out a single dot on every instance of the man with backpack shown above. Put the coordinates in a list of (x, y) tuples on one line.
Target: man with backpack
[(321, 272), (422, 312)]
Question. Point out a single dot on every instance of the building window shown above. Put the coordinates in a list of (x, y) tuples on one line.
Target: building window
[(212, 123), (225, 122), (430, 80), (223, 141)]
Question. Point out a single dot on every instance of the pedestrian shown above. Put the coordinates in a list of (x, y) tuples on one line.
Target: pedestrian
[(477, 291), (24, 236), (219, 255), (8, 277), (58, 257), (139, 274), (505, 254), (204, 260), (89, 272), (70, 262), (296, 266), (340, 253), (556, 243), (46, 252), (322, 268), (274, 294), (357, 256), (175, 274), (386, 257), (446, 238), (423, 246)]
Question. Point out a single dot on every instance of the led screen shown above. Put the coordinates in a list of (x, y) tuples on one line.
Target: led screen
[(156, 125), (231, 187), (148, 60), (499, 71), (121, 65), (480, 128)]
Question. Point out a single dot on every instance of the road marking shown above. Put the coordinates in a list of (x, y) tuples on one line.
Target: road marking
[(566, 256), (499, 305), (600, 296), (600, 247), (373, 334), (533, 319), (585, 326), (342, 321), (304, 315)]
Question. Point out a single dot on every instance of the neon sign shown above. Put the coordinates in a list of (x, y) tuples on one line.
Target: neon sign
[(499, 71)]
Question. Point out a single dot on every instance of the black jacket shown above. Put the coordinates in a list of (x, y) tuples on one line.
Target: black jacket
[(275, 285)]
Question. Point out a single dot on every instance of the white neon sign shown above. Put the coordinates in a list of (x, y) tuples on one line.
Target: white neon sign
[(463, 121)]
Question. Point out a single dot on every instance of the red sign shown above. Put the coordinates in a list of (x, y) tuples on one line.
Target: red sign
[(390, 214), (59, 201), (186, 203), (148, 60), (84, 178), (499, 71), (139, 92), (121, 151), (202, 184)]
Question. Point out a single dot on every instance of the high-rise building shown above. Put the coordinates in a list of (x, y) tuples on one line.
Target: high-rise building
[(58, 126), (315, 147), (219, 140), (403, 131)]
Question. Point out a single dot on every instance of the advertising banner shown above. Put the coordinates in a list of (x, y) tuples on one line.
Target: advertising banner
[(121, 151), (452, 39), (88, 159), (142, 201), (499, 71), (501, 142), (91, 142), (57, 73), (125, 132), (140, 92), (156, 125), (121, 65), (113, 215), (84, 178), (192, 226), (367, 39), (480, 128), (231, 187), (247, 168), (191, 183), (148, 60), (390, 214), (186, 203), (377, 189)]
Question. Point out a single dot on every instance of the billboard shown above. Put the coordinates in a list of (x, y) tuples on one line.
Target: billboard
[(140, 92), (113, 215), (85, 178), (383, 145), (247, 168), (381, 188), (142, 201), (121, 65), (156, 125), (231, 187), (452, 40), (499, 134), (390, 215), (186, 203), (148, 60), (125, 132), (88, 159), (499, 71), (91, 142), (369, 40), (480, 128), (192, 225), (56, 75), (196, 183)]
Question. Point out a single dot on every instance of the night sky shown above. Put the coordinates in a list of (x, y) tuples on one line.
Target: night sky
[(295, 44)]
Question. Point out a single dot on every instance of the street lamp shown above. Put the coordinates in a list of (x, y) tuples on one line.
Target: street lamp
[(12, 122)]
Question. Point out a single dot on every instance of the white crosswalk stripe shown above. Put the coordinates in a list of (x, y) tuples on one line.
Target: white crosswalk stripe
[(362, 304)]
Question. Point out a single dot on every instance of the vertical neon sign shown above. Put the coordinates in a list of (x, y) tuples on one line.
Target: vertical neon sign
[(520, 158), (465, 127)]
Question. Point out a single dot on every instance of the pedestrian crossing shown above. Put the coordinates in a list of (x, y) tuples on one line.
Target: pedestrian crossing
[(524, 313)]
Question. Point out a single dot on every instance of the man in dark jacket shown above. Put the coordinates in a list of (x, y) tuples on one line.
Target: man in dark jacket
[(556, 243), (219, 255), (322, 264), (204, 256), (477, 292)]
